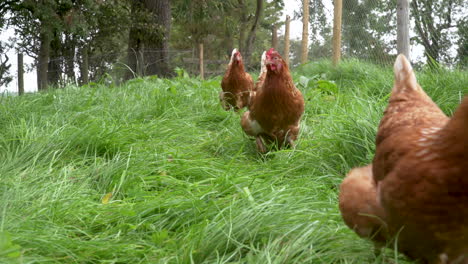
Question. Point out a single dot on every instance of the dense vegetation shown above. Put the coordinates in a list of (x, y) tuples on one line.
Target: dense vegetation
[(154, 171), (148, 37)]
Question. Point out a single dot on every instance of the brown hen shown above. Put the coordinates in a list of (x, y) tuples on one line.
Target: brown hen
[(236, 84), (416, 190), (277, 107)]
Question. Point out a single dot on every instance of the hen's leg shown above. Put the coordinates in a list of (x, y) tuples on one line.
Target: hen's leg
[(222, 99), (360, 207), (260, 145), (291, 136)]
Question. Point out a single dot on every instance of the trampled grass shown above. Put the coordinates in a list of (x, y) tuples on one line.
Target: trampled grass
[(154, 171)]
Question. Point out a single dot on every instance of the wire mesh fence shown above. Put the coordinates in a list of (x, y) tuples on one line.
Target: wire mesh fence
[(115, 66), (369, 33), (437, 29), (112, 68)]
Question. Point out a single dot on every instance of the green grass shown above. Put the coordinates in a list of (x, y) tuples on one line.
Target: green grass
[(187, 185)]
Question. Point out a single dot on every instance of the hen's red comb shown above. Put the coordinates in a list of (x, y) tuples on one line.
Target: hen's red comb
[(270, 52)]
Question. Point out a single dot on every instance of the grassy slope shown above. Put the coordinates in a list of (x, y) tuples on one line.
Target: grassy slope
[(186, 183)]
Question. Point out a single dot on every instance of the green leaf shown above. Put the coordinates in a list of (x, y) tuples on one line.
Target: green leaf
[(327, 86), (7, 248), (181, 73), (160, 237), (303, 81), (106, 198)]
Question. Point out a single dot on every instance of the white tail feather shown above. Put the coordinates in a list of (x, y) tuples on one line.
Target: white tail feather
[(263, 63), (404, 75)]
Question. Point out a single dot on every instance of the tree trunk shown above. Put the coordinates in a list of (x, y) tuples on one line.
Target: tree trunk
[(274, 37), (133, 59), (243, 24), (157, 54), (403, 39), (134, 44), (253, 33), (38, 77), (153, 46), (305, 31), (69, 57), (84, 67), (20, 74), (55, 67), (43, 60), (337, 31), (141, 62), (200, 58), (286, 40)]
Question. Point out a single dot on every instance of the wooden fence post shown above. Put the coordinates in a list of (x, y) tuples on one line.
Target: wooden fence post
[(274, 37), (286, 39), (305, 31), (403, 40), (20, 74), (202, 70), (337, 31)]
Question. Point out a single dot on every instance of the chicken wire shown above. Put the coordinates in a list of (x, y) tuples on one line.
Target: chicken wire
[(369, 31)]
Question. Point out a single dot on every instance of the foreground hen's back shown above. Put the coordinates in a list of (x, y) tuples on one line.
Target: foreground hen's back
[(277, 107), (419, 176), (236, 84)]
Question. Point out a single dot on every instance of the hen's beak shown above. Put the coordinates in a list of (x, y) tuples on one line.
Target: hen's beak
[(270, 65), (237, 57)]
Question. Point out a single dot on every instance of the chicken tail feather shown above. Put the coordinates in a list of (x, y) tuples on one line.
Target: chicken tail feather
[(263, 63), (404, 75)]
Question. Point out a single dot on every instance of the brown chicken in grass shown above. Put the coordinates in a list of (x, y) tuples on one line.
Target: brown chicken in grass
[(236, 84), (276, 109), (416, 190)]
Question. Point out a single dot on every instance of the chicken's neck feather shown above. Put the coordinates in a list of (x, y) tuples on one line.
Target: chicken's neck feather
[(455, 133), (236, 67)]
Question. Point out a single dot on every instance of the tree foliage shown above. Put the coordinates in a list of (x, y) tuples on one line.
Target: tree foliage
[(65, 35), (5, 65), (223, 25), (462, 52), (367, 29), (435, 21)]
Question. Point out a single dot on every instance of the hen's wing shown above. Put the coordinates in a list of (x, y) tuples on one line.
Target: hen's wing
[(359, 206)]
